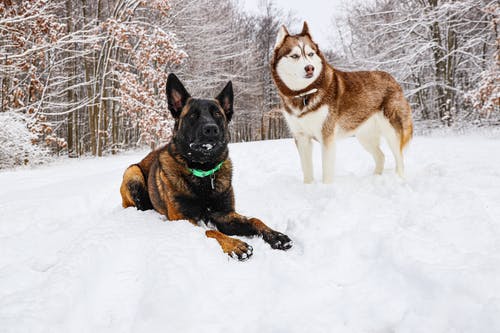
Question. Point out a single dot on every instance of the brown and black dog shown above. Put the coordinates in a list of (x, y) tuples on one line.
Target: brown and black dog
[(190, 178)]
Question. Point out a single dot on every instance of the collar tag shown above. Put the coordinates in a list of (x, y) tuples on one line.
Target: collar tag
[(212, 181), (305, 96)]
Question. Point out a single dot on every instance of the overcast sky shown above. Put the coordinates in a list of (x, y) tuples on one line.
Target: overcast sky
[(317, 13)]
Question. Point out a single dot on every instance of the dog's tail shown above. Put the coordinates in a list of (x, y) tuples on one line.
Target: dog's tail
[(398, 111), (406, 132)]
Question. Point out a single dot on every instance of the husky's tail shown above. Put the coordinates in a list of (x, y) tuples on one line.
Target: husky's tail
[(406, 131), (398, 111)]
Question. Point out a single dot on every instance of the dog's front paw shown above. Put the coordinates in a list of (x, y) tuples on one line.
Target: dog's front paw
[(239, 250), (233, 247), (277, 240)]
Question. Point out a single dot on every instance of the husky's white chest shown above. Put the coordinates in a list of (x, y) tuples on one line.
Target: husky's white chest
[(310, 124)]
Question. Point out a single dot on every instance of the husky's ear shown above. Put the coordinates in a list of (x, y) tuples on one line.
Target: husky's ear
[(225, 99), (282, 33), (177, 95), (305, 29)]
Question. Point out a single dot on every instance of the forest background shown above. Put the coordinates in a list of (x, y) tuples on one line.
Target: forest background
[(81, 77)]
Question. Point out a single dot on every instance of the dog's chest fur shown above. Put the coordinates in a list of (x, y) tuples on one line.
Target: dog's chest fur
[(309, 124)]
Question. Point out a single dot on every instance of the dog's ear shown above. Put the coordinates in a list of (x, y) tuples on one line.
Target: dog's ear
[(177, 95), (305, 29), (282, 33), (225, 99)]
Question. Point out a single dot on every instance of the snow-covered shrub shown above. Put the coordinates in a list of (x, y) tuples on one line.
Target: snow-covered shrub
[(16, 142)]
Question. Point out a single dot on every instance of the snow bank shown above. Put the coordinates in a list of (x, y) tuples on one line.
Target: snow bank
[(371, 253)]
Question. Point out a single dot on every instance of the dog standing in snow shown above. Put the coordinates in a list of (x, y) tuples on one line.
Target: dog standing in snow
[(325, 104)]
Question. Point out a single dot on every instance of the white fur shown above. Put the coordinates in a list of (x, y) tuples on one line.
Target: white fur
[(304, 146), (310, 126), (282, 33), (393, 139), (305, 129), (328, 151), (292, 71), (369, 134)]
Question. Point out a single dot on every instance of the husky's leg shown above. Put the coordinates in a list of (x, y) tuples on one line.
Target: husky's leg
[(391, 136), (369, 136), (328, 158), (304, 146)]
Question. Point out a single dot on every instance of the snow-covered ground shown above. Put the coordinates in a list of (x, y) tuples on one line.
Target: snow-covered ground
[(371, 253)]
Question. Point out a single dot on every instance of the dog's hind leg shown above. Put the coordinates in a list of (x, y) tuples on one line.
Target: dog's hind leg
[(134, 189), (140, 196), (394, 141), (304, 146), (372, 145), (368, 135)]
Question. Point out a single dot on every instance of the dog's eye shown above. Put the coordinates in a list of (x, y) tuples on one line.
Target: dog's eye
[(294, 56), (310, 54)]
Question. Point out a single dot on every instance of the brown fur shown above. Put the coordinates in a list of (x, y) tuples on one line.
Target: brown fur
[(228, 244), (166, 179)]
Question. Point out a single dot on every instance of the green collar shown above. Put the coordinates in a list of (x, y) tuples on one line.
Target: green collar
[(202, 173)]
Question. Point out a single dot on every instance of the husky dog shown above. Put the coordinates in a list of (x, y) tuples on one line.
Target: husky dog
[(324, 104)]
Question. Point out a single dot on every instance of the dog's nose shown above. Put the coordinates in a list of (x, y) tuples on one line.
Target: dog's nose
[(309, 69), (210, 130)]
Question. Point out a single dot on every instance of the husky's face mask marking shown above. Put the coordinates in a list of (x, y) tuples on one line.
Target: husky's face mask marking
[(299, 63)]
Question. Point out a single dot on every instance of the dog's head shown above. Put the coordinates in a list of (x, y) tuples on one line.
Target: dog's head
[(201, 125), (297, 61)]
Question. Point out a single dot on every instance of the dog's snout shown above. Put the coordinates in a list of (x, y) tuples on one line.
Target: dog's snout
[(309, 69), (210, 130)]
